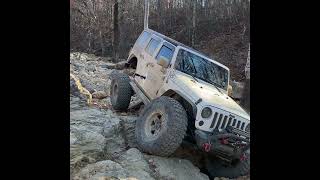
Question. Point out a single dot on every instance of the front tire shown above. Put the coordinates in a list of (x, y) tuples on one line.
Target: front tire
[(161, 127)]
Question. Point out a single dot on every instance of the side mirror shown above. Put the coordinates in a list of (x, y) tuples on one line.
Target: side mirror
[(229, 90), (163, 61)]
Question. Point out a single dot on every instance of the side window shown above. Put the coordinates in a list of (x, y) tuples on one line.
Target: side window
[(166, 52), (143, 38), (152, 46)]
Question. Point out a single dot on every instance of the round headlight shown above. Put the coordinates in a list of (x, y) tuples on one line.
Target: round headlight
[(206, 112), (248, 128)]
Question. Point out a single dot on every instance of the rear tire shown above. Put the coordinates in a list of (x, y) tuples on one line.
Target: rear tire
[(161, 127), (120, 91)]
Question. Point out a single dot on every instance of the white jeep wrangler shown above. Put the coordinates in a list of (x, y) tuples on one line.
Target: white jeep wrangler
[(186, 97)]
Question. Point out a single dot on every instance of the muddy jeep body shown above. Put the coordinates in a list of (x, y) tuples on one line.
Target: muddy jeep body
[(225, 131)]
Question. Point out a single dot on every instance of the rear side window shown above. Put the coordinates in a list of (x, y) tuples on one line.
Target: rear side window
[(165, 51), (143, 38), (152, 46)]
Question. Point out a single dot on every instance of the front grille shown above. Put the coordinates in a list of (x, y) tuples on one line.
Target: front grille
[(221, 121)]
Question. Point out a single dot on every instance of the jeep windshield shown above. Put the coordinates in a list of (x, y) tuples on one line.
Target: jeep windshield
[(201, 68)]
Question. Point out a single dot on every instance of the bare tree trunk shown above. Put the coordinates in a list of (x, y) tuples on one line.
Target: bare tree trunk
[(171, 14), (246, 92), (101, 43), (116, 32), (146, 14), (159, 14), (189, 20), (194, 22), (89, 41)]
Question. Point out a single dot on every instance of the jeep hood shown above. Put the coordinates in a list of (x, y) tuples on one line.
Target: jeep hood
[(209, 94)]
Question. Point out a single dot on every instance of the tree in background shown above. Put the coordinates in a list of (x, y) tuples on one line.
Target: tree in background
[(246, 92), (219, 28), (116, 31)]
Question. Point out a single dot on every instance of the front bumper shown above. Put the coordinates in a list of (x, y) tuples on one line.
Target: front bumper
[(227, 145)]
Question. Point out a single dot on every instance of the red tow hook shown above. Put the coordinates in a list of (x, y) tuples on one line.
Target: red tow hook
[(224, 141), (206, 147), (243, 157)]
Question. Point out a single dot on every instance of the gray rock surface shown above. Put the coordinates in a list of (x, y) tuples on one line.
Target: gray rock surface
[(174, 168), (95, 134), (106, 168), (130, 165), (99, 95), (237, 89)]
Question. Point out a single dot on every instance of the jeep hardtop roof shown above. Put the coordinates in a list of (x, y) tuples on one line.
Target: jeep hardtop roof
[(176, 43)]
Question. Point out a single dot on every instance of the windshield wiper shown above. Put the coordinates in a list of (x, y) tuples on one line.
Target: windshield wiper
[(190, 74), (213, 83), (194, 77)]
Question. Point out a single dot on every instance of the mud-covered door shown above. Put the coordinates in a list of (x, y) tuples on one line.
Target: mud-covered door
[(139, 50), (156, 73), (148, 58)]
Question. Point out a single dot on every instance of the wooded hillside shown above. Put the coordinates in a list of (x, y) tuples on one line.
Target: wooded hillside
[(219, 28)]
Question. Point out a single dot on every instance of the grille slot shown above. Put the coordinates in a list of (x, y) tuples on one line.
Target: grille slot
[(229, 122), (214, 119), (234, 122), (238, 124), (219, 121), (242, 126), (224, 123)]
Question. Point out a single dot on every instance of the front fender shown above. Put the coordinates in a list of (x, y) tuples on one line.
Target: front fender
[(193, 105)]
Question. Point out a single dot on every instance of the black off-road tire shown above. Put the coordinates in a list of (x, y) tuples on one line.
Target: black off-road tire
[(216, 168), (174, 121), (120, 91)]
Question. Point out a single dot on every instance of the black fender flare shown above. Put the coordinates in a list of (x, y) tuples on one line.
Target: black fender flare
[(193, 105), (130, 59)]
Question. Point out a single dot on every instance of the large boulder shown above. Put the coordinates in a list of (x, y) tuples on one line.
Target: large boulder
[(174, 168), (89, 119), (100, 170), (135, 164), (87, 144), (85, 147), (95, 135), (112, 131), (130, 165), (129, 125)]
